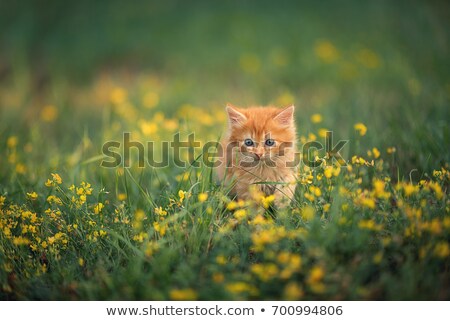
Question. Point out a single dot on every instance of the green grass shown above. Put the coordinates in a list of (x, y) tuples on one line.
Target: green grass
[(76, 76)]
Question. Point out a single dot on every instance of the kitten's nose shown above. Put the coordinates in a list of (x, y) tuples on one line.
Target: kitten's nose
[(259, 152)]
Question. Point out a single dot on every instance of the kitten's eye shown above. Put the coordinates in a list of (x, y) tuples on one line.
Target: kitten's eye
[(270, 142), (248, 142)]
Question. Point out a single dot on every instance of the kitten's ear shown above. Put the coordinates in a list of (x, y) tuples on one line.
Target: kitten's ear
[(235, 117), (285, 116)]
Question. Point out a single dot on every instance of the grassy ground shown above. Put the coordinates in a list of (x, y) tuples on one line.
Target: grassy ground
[(75, 76)]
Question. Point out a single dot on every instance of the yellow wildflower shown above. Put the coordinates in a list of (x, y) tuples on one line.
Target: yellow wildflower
[(202, 197), (159, 228), (221, 260), (32, 196), (121, 196), (442, 249), (265, 272), (240, 214), (308, 213), (12, 141), (316, 275), (49, 113), (181, 195), (326, 51), (118, 95), (232, 205), (361, 128), (184, 294), (369, 225), (437, 190), (410, 189), (316, 118), (267, 200), (376, 152), (377, 257), (98, 208), (292, 291), (391, 150), (322, 132), (239, 287), (328, 172), (160, 211), (21, 168)]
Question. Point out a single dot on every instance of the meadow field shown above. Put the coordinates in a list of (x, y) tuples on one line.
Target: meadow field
[(75, 76)]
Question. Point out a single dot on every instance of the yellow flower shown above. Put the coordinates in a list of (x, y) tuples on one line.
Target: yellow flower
[(328, 172), (181, 195), (160, 229), (160, 211), (437, 190), (49, 113), (56, 178), (442, 249), (326, 51), (239, 287), (118, 95), (368, 58), (221, 260), (12, 141), (323, 132), (265, 272), (32, 196), (316, 118), (369, 225), (361, 128), (267, 200), (308, 213), (410, 189), (378, 257), (98, 208), (240, 214), (292, 291), (309, 197), (202, 197), (148, 128), (184, 294), (2, 200), (20, 168), (376, 152), (316, 274), (315, 190), (121, 196), (391, 150), (232, 205), (80, 261), (368, 202)]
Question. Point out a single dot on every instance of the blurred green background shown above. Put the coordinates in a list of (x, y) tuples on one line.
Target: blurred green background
[(382, 63), (74, 75)]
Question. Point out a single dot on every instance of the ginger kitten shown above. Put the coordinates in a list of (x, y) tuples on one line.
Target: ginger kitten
[(260, 147)]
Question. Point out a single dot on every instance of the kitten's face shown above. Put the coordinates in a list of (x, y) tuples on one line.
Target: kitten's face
[(266, 134)]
